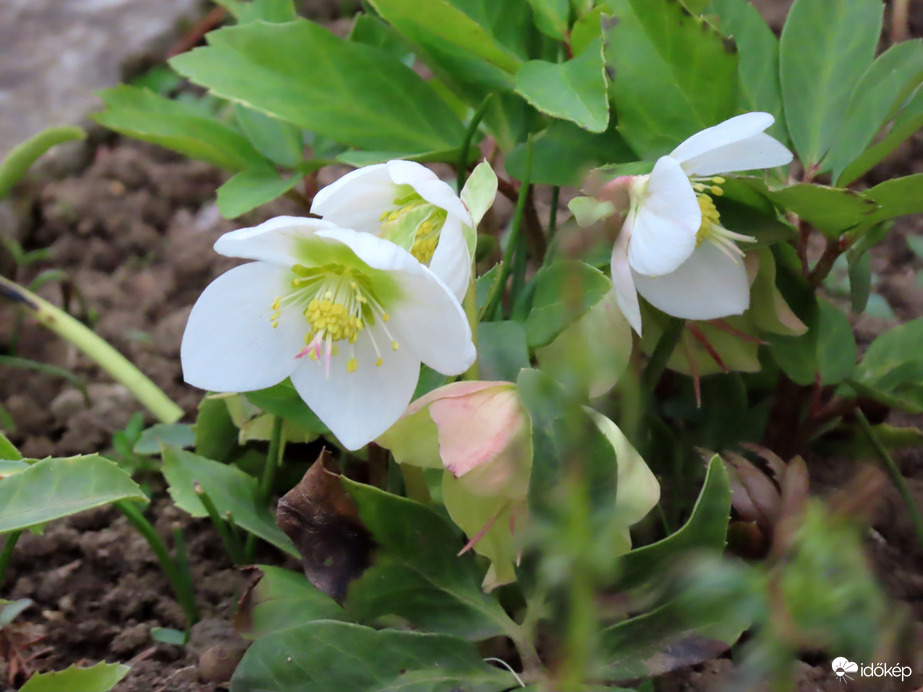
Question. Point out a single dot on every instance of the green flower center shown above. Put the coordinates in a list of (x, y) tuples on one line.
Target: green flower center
[(337, 304), (414, 224)]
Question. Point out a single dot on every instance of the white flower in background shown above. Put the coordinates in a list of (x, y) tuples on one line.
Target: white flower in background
[(347, 316), (406, 203), (672, 248)]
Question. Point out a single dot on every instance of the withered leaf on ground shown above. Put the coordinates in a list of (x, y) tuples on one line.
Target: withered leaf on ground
[(321, 519)]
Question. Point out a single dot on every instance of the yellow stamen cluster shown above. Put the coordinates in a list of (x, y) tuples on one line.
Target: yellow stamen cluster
[(334, 319), (396, 226), (336, 309), (711, 230), (713, 189), (425, 241), (710, 217)]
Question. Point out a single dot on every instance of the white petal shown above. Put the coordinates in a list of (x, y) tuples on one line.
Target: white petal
[(733, 130), (624, 285), (451, 261), (430, 321), (359, 406), (664, 226), (229, 344), (358, 199), (758, 151), (428, 185), (707, 286), (271, 241)]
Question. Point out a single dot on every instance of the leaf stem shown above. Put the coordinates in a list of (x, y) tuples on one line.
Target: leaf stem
[(494, 299), (233, 546), (553, 214), (895, 474), (97, 349), (181, 587), (661, 356), (273, 459), (7, 552), (471, 311)]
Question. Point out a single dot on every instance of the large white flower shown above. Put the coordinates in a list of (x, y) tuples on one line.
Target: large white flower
[(347, 316), (407, 204), (672, 248)]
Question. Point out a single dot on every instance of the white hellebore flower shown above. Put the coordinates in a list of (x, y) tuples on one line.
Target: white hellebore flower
[(347, 316), (407, 204), (672, 248)]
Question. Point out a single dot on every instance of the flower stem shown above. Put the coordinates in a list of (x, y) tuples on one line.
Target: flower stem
[(471, 311), (661, 356), (472, 129), (895, 474), (496, 294), (96, 348), (553, 214), (8, 545), (273, 459), (181, 587)]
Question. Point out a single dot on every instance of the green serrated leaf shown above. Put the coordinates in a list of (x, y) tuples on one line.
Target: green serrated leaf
[(215, 432), (825, 48), (54, 488), (417, 573), (892, 369), (21, 158), (860, 282), (100, 678), (661, 92), (357, 95), (282, 400), (281, 599), (830, 210), (228, 487), (836, 344), (176, 125), (875, 99), (175, 434), (706, 529), (260, 10), (564, 154), (574, 90), (327, 656), (897, 197), (564, 291)]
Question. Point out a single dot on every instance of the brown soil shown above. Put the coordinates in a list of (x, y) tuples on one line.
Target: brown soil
[(133, 234)]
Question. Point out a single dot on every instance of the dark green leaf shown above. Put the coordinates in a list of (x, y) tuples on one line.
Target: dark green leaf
[(168, 635), (100, 678), (417, 572), (706, 529), (876, 98), (249, 189), (860, 282), (502, 350), (662, 91), (176, 125), (897, 197), (325, 656), (564, 291), (830, 210), (215, 432), (836, 344), (574, 90), (55, 488), (281, 599), (278, 141), (21, 158), (282, 400), (301, 73), (892, 369), (826, 47), (563, 154), (230, 489), (758, 68), (371, 31), (260, 10)]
